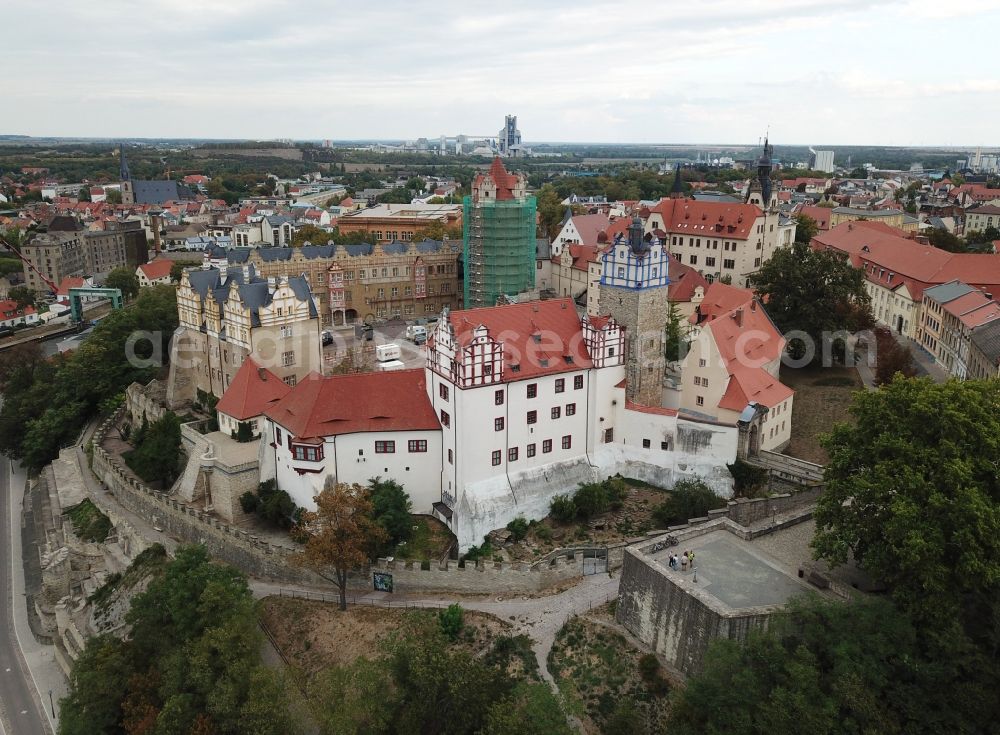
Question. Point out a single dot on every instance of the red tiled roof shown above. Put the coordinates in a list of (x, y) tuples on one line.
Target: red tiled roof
[(348, 404), (583, 255), (253, 390), (555, 322), (683, 280), (720, 219), (589, 226), (909, 262), (746, 339), (973, 309), (69, 282), (821, 215), (505, 181), (10, 309), (156, 269)]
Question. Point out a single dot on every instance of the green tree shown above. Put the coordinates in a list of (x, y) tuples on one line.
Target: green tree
[(22, 296), (828, 668), (157, 457), (451, 620), (913, 495), (687, 499), (805, 228), (84, 194), (114, 196), (125, 280), (941, 238), (391, 508), (311, 234), (178, 267), (814, 292), (103, 668), (550, 211), (531, 709), (675, 347)]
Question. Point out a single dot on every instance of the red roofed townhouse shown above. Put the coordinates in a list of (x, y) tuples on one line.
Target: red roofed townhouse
[(733, 362), (156, 271), (819, 215), (11, 314), (253, 390), (353, 428), (898, 270), (971, 195), (581, 229), (718, 238)]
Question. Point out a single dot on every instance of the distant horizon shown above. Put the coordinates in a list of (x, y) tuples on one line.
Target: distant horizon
[(529, 143)]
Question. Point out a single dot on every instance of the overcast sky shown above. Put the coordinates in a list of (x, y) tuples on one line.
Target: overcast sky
[(883, 72)]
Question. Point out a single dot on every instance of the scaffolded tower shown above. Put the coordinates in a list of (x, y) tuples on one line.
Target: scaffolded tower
[(499, 236)]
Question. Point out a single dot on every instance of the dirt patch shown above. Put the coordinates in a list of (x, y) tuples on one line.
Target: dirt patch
[(822, 399), (313, 636), (599, 673)]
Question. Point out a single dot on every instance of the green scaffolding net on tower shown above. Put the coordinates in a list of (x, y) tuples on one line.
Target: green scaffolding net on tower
[(499, 239)]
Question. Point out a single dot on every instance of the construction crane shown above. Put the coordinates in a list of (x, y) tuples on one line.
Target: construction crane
[(45, 279)]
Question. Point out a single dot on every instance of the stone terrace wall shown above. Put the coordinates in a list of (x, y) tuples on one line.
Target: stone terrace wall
[(258, 558), (745, 512), (676, 623)]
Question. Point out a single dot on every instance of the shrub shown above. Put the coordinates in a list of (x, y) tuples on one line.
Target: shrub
[(249, 501), (244, 432), (452, 620), (747, 478), (391, 510), (688, 499), (563, 509), (518, 528), (543, 532)]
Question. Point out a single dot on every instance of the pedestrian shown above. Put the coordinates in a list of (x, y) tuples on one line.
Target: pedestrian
[(673, 562), (684, 562), (691, 559)]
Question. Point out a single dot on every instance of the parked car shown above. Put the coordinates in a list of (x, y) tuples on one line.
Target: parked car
[(327, 338)]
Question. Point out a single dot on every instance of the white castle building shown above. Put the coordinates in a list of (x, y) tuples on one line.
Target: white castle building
[(516, 405)]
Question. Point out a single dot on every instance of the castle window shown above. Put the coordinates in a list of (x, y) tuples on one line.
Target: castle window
[(560, 385), (498, 424), (530, 450), (498, 398), (546, 446), (497, 457), (567, 442), (512, 454), (645, 443), (556, 412), (385, 447), (532, 417), (577, 382), (532, 390)]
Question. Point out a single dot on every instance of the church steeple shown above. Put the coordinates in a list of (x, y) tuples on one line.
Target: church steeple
[(123, 171), (677, 189), (759, 191)]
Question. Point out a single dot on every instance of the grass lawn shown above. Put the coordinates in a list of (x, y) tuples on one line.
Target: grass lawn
[(822, 398), (89, 523)]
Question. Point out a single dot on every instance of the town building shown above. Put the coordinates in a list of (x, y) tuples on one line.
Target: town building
[(949, 315), (136, 191), (362, 281), (720, 239), (12, 315), (227, 316), (60, 254), (984, 353), (499, 237), (509, 137), (898, 270), (154, 272), (733, 361), (389, 222), (978, 219), (821, 161), (890, 217)]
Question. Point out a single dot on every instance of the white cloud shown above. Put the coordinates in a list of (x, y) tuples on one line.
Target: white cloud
[(715, 71)]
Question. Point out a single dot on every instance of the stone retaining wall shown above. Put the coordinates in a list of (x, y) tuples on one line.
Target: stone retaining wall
[(259, 558)]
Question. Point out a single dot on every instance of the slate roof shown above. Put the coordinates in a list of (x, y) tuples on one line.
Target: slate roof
[(987, 339), (159, 192)]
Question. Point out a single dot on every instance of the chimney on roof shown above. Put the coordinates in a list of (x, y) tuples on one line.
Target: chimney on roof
[(738, 317), (272, 283), (261, 373)]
